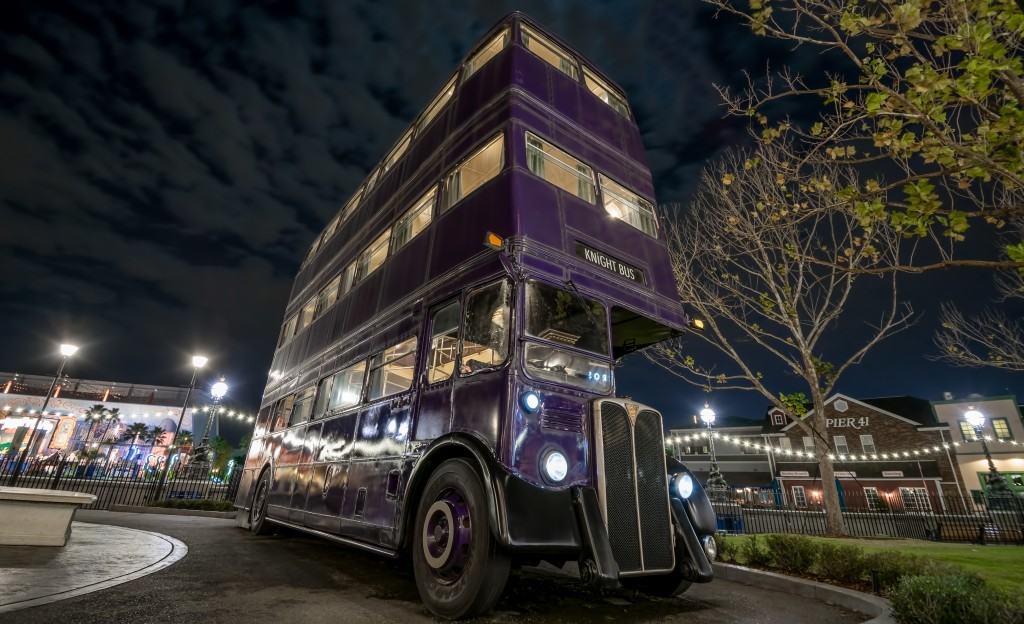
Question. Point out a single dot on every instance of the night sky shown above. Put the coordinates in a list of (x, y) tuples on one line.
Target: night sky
[(166, 165)]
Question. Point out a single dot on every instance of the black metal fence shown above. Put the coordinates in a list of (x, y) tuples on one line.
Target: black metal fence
[(903, 513), (118, 483)]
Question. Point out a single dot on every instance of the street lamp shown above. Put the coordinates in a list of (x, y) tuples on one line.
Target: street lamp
[(217, 391), (198, 362), (66, 351), (996, 483), (718, 489)]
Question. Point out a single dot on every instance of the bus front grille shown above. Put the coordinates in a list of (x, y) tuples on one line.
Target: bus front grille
[(632, 485)]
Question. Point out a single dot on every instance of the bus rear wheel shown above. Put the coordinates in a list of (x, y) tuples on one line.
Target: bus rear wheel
[(258, 511), (459, 567)]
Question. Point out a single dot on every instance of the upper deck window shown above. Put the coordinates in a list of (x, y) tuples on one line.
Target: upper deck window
[(332, 227), (351, 206), (391, 370), (396, 154), (312, 250), (554, 55), (372, 257), (480, 167), (487, 52), (560, 169), (437, 105), (605, 93), (414, 221), (624, 204), (565, 317)]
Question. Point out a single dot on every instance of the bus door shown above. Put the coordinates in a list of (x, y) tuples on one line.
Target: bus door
[(479, 395), (434, 412), (371, 501), (304, 471)]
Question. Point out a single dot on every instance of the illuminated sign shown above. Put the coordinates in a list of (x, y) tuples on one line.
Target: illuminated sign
[(609, 263), (851, 422)]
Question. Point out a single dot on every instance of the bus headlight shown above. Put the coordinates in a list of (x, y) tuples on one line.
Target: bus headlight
[(710, 547), (530, 401), (555, 466), (684, 485)]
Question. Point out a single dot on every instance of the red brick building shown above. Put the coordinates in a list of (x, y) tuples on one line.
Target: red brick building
[(890, 452)]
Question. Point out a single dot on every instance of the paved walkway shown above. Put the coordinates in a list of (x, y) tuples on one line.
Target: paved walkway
[(230, 575), (97, 556)]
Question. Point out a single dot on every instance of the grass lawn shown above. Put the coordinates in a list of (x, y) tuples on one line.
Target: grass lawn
[(1002, 566)]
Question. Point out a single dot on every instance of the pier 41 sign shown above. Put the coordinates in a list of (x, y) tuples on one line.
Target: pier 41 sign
[(853, 422)]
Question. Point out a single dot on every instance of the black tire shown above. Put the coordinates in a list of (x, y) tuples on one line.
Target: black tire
[(258, 510), (459, 567)]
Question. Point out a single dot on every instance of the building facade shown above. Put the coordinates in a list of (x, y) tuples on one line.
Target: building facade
[(66, 427), (740, 451), (888, 452), (1004, 434)]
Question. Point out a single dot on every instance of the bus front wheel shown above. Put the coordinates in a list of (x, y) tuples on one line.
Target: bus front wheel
[(459, 567), (258, 512)]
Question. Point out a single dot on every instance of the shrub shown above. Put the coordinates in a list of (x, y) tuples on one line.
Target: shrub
[(754, 554), (792, 553), (726, 548), (891, 566), (953, 599), (845, 563)]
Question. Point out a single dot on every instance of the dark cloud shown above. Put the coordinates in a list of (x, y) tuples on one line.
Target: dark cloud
[(166, 164)]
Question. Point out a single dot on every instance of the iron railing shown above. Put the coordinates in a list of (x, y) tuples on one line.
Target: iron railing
[(119, 483), (899, 514)]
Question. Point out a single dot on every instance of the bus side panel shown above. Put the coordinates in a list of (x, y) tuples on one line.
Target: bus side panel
[(478, 404), (254, 460)]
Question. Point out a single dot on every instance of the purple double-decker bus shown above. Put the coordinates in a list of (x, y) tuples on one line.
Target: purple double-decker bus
[(444, 386)]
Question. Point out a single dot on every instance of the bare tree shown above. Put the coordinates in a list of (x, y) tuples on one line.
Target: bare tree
[(926, 99), (750, 257), (990, 339)]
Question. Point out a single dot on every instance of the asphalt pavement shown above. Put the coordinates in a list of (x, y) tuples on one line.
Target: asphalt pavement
[(230, 575)]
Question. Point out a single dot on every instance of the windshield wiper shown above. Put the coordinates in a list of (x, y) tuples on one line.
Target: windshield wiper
[(586, 306)]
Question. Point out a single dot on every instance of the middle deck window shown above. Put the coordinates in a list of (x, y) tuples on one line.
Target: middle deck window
[(373, 256), (552, 54), (624, 204), (559, 168), (480, 167), (414, 221)]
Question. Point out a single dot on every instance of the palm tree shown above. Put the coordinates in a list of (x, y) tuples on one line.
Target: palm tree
[(184, 439), (153, 435), (112, 417), (132, 434), (221, 454), (95, 414)]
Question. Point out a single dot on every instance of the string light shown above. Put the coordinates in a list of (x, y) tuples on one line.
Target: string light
[(842, 458)]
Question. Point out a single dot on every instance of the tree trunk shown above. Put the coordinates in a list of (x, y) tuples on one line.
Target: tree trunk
[(834, 523)]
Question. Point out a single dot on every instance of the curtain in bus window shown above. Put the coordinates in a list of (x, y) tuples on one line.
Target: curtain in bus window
[(552, 54), (483, 165), (485, 340), (486, 53), (347, 386), (323, 397), (605, 93), (414, 221), (444, 343), (559, 168), (624, 204), (391, 370)]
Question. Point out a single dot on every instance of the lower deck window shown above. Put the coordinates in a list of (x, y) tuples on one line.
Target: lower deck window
[(391, 370), (347, 386), (444, 343)]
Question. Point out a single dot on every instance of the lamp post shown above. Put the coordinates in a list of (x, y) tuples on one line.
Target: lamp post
[(66, 351), (202, 452), (995, 485), (718, 489), (198, 361)]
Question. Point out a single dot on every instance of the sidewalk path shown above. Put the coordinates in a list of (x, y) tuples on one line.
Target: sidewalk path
[(231, 576), (96, 557)]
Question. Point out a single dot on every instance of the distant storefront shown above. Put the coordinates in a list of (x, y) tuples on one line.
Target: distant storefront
[(66, 428)]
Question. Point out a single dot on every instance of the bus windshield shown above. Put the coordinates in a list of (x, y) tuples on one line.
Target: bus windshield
[(560, 316)]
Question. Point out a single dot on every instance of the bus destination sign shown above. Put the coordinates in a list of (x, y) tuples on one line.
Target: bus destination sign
[(609, 263)]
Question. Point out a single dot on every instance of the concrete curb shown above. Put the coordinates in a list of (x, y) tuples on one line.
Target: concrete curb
[(226, 515), (878, 608), (176, 550)]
